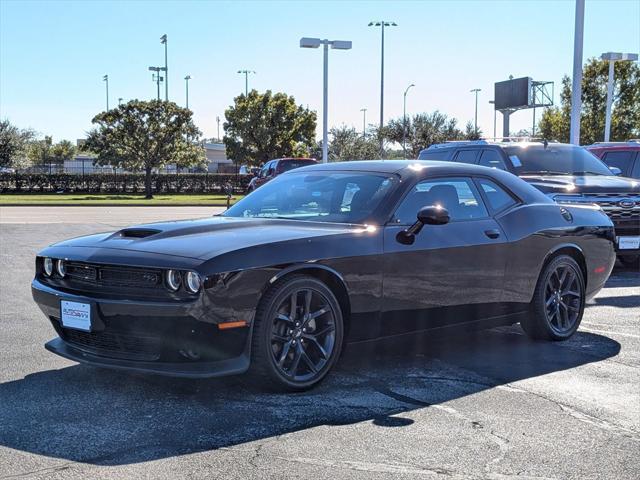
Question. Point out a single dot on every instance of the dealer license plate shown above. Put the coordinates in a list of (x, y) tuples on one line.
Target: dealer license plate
[(629, 243), (75, 315)]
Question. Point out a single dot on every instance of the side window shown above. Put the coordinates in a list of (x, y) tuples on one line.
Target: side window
[(492, 159), (433, 155), (636, 169), (271, 168), (497, 197), (622, 160), (458, 195), (466, 156), (264, 169)]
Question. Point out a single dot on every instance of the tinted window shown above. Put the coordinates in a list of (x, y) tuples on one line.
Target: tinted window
[(466, 156), (492, 159), (433, 155), (497, 197), (286, 165), (319, 196), (622, 160), (636, 169), (555, 159), (457, 195)]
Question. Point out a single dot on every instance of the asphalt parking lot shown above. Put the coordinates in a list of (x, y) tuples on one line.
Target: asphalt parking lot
[(486, 405)]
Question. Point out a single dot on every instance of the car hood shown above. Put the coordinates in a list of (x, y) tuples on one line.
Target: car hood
[(208, 237), (583, 184)]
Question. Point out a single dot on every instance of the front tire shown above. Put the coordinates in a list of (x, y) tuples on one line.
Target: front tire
[(558, 301), (297, 334)]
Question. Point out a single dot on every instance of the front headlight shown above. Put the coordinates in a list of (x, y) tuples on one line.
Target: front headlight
[(567, 198), (193, 282), (173, 280), (47, 265), (60, 268)]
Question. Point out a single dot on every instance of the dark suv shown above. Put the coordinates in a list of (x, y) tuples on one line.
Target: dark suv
[(624, 156), (566, 173), (273, 168)]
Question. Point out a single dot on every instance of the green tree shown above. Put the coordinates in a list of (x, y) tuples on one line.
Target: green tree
[(14, 143), (422, 130), (146, 135), (260, 127), (471, 133), (625, 117), (63, 150), (39, 151), (348, 144)]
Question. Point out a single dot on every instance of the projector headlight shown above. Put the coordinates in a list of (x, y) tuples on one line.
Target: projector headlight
[(193, 282), (47, 265), (173, 280), (61, 268)]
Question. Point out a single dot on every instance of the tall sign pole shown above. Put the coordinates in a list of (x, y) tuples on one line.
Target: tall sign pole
[(576, 88)]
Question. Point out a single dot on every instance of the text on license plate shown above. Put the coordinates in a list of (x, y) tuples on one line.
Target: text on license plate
[(75, 315), (629, 243)]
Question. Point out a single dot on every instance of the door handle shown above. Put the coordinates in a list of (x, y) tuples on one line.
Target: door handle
[(492, 233)]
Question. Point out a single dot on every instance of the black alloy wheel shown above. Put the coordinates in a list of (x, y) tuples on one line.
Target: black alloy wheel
[(298, 333), (558, 301)]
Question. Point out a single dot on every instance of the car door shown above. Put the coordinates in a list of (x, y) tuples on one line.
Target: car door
[(452, 273), (263, 175)]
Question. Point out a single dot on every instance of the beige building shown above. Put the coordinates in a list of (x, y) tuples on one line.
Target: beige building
[(217, 161)]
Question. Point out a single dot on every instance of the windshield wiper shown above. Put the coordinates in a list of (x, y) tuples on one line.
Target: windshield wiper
[(544, 172), (587, 173)]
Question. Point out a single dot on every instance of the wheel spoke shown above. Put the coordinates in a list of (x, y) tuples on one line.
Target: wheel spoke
[(296, 361), (571, 293), (279, 338), (549, 301), (561, 278), (293, 312), (307, 360), (307, 302), (314, 340), (327, 329), (318, 313), (284, 353), (283, 318)]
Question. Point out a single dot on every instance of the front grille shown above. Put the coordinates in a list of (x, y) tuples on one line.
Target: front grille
[(622, 208), (115, 345), (113, 276)]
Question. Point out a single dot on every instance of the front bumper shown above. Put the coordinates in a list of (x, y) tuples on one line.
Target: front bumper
[(166, 338)]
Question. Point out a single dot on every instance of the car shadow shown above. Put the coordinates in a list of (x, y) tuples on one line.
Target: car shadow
[(104, 417)]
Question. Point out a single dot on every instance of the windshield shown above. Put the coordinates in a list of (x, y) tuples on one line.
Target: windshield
[(555, 160), (342, 197)]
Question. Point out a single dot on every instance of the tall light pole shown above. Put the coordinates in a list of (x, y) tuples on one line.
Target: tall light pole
[(105, 78), (404, 119), (336, 45), (475, 118), (576, 87), (493, 102), (382, 24), (613, 57), (364, 122), (156, 77), (186, 81), (246, 80), (163, 40), (218, 121), (120, 101)]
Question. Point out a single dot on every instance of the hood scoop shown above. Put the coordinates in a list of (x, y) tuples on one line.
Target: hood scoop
[(137, 232)]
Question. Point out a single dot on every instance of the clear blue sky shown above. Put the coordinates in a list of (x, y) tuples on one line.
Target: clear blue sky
[(53, 54)]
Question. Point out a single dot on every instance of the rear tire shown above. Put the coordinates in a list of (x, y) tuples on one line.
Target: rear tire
[(558, 301), (297, 334)]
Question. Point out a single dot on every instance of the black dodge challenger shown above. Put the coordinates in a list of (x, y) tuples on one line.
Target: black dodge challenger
[(320, 256)]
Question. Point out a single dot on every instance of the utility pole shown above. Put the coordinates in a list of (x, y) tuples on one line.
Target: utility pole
[(105, 78), (382, 24), (163, 40), (475, 120), (246, 80), (613, 57), (364, 122), (186, 80), (576, 88), (218, 121), (120, 101), (404, 120), (156, 77)]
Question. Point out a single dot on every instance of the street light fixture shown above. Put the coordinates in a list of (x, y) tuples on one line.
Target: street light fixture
[(404, 119), (382, 24), (364, 122), (105, 78), (613, 57), (163, 40), (306, 42), (156, 77), (493, 102), (246, 80), (186, 80), (475, 121)]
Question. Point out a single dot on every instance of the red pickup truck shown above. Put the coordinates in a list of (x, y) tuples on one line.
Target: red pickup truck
[(273, 168)]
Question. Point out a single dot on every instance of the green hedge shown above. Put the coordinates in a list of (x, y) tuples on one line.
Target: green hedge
[(121, 183)]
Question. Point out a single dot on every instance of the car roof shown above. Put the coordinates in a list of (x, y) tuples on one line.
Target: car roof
[(614, 146), (508, 145), (401, 167)]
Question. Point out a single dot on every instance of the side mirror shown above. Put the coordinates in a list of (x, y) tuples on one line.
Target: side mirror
[(615, 170), (431, 215)]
